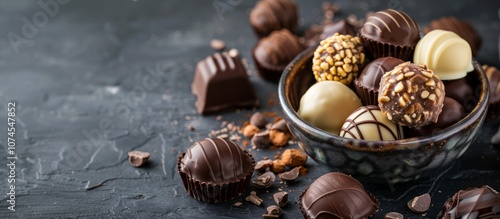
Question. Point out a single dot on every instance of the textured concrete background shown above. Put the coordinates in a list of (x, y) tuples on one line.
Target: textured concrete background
[(96, 79)]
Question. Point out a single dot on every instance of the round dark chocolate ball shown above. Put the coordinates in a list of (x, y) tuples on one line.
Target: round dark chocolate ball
[(337, 195), (461, 91), (270, 15), (367, 83)]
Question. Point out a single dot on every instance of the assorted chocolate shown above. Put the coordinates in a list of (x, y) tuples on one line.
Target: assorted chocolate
[(221, 82), (273, 53), (390, 33), (338, 58), (463, 28), (411, 95), (483, 202), (337, 195), (270, 15), (493, 75), (420, 204), (212, 164)]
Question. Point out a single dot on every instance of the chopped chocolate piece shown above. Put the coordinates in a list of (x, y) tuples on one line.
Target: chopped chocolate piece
[(253, 198), (217, 44), (269, 216), (461, 91), (281, 198), (393, 215), (221, 82), (481, 202), (280, 126), (263, 165), (420, 204), (290, 175), (411, 95), (138, 158), (264, 181), (258, 119), (261, 140), (463, 28), (273, 210), (341, 27)]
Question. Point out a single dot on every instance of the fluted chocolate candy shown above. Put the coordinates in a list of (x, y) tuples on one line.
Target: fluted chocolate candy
[(336, 195), (270, 15), (367, 83), (390, 33), (471, 203), (215, 170), (368, 123), (411, 95), (273, 53), (221, 82), (338, 58), (463, 28)]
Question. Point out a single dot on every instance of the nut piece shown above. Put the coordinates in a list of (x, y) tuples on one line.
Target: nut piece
[(273, 211), (281, 198), (253, 198), (259, 120), (138, 158), (250, 130), (263, 165), (420, 204), (279, 138), (265, 180), (290, 175), (278, 166), (294, 158), (338, 58), (411, 95)]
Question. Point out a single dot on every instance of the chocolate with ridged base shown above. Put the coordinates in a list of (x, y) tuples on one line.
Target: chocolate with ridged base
[(215, 170), (221, 82), (337, 195)]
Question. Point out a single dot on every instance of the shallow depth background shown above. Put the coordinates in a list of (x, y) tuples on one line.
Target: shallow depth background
[(96, 79)]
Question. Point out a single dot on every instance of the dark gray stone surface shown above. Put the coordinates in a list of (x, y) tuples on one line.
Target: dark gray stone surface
[(96, 79)]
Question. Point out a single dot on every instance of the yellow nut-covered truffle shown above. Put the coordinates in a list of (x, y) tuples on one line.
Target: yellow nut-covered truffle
[(338, 58), (448, 55)]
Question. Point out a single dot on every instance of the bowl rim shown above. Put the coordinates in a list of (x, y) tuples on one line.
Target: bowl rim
[(400, 144)]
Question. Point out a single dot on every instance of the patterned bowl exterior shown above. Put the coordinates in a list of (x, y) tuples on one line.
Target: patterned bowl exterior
[(388, 161)]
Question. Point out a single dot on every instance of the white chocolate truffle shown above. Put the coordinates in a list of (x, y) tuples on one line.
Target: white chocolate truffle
[(448, 55), (327, 104), (369, 123)]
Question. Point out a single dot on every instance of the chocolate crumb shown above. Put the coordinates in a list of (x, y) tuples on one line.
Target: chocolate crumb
[(217, 44), (261, 140), (258, 119), (263, 165), (191, 128), (393, 215), (420, 204), (253, 198), (281, 198), (290, 175), (238, 204), (273, 211), (264, 181), (138, 158)]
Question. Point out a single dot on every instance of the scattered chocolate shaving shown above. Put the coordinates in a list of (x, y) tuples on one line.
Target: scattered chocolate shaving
[(263, 165), (281, 198), (420, 204), (393, 215), (261, 140), (290, 175), (264, 181), (253, 198), (138, 158), (258, 119), (273, 211), (217, 44)]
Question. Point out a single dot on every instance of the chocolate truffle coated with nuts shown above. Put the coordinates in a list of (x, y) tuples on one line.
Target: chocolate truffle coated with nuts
[(411, 95), (338, 58)]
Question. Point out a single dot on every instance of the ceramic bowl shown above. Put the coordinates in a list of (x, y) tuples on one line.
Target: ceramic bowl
[(380, 161)]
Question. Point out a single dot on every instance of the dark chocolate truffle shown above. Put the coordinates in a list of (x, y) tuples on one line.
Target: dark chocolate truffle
[(215, 170), (390, 33), (481, 202), (451, 113), (221, 82), (273, 53), (463, 28), (460, 90), (342, 27), (367, 83), (270, 15), (411, 95), (336, 195)]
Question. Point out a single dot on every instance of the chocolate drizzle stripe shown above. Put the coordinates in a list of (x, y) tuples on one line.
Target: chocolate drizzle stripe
[(391, 17), (404, 18), (374, 25), (383, 22), (206, 158), (219, 157)]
